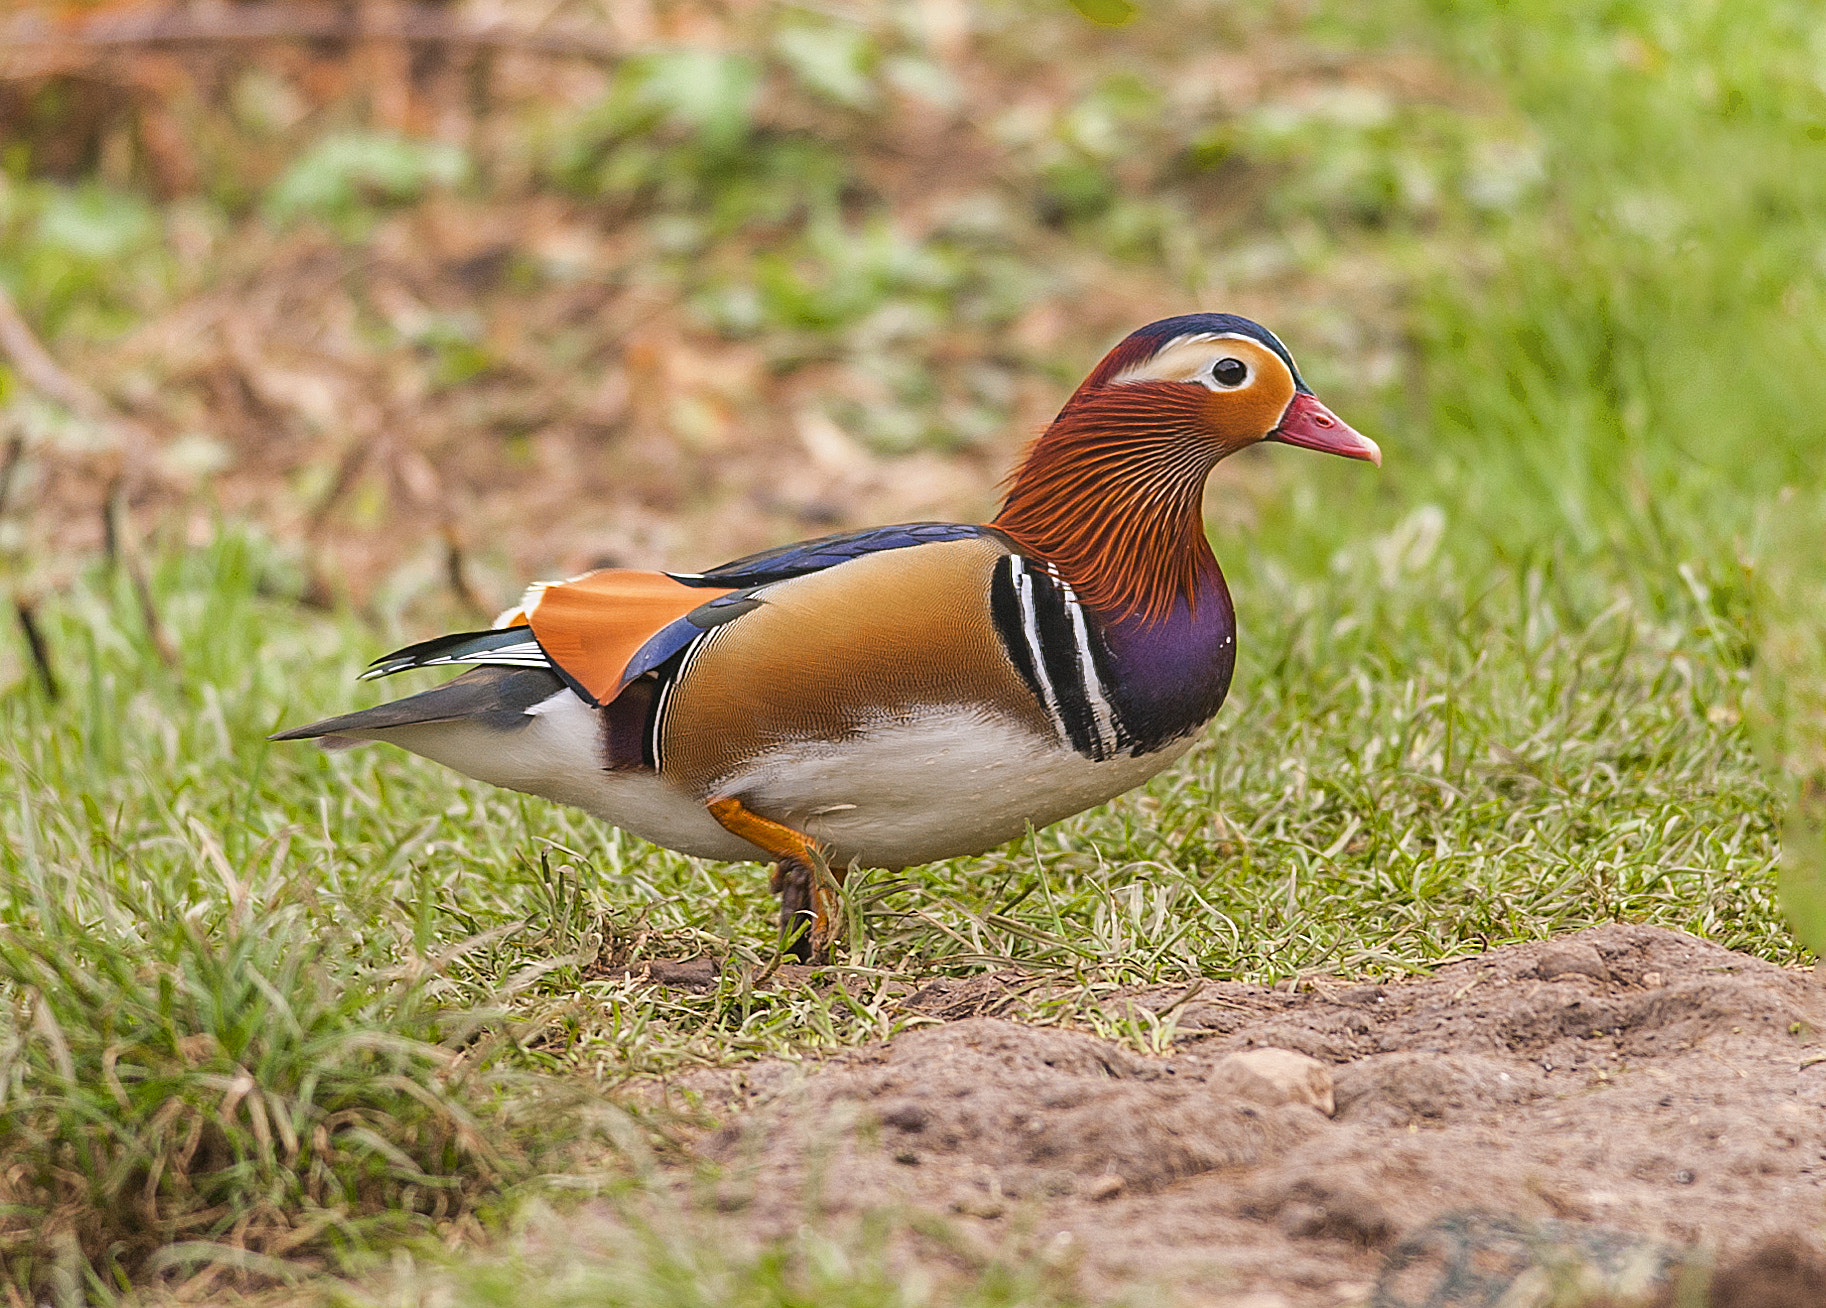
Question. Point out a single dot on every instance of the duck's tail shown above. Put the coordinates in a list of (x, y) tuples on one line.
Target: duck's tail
[(494, 697)]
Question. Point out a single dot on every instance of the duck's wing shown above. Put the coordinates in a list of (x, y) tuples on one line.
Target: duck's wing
[(828, 551), (579, 633), (604, 629), (600, 632)]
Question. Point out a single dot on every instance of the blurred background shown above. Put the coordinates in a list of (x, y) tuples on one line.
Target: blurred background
[(653, 282), (425, 299), (324, 327)]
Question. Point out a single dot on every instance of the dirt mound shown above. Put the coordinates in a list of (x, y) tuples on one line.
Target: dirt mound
[(1641, 1089)]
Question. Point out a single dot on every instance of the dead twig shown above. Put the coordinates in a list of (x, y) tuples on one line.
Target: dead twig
[(9, 468), (156, 631), (38, 369), (256, 23), (348, 471), (457, 574), (122, 549), (43, 374), (26, 611), (1186, 996), (110, 526)]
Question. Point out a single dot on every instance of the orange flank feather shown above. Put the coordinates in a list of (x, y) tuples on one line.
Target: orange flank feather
[(591, 626)]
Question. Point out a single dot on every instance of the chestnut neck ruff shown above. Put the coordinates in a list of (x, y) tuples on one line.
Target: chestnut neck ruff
[(1111, 496)]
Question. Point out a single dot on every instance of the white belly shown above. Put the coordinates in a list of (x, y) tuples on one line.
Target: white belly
[(949, 782), (558, 755)]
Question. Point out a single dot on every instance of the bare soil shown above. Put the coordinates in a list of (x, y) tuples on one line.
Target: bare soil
[(1626, 1093)]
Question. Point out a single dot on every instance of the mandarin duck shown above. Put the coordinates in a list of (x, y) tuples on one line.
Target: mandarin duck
[(898, 695)]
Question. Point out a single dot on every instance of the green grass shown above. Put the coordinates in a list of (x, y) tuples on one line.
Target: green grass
[(1560, 663), (220, 1048), (655, 1255)]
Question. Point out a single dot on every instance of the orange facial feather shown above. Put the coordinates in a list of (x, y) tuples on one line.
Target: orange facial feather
[(1111, 493)]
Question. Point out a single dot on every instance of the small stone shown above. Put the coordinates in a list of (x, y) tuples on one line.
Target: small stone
[(1571, 957), (730, 1200), (908, 1116), (987, 1209), (1301, 1220), (907, 1157), (1652, 980), (1782, 1269), (1275, 1076), (1104, 1187)]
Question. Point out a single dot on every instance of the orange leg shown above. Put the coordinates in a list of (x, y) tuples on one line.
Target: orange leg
[(797, 877)]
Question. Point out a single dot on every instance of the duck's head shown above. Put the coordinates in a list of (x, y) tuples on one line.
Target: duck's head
[(1110, 492), (1217, 379)]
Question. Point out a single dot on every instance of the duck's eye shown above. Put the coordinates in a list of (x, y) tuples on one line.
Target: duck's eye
[(1230, 373)]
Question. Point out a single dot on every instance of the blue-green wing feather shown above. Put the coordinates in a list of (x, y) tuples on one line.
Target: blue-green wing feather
[(826, 552)]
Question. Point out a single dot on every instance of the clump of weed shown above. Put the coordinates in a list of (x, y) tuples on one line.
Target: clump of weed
[(652, 1254), (230, 1086)]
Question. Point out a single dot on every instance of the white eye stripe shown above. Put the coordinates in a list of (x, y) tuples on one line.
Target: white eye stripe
[(1191, 358)]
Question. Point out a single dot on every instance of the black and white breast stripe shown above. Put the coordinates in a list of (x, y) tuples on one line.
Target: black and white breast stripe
[(670, 673), (1052, 646)]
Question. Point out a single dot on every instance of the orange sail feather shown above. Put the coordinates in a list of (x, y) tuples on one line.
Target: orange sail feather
[(593, 625)]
